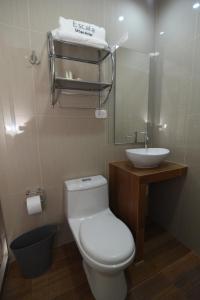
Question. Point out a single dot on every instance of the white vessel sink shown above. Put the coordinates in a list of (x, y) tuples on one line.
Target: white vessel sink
[(147, 158)]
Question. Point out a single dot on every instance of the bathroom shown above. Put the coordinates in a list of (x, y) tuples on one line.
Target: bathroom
[(153, 69)]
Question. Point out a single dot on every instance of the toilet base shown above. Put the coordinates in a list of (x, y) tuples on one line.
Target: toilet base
[(106, 286)]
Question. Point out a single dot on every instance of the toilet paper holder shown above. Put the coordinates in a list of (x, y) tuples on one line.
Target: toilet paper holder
[(38, 192)]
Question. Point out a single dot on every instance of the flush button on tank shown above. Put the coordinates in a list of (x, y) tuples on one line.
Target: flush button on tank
[(86, 179)]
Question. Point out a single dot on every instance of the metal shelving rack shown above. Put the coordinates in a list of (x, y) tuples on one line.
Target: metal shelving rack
[(80, 53)]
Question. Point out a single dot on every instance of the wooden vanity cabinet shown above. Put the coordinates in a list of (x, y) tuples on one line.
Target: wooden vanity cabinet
[(128, 188)]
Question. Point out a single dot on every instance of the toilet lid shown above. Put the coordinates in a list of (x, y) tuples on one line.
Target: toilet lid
[(106, 239)]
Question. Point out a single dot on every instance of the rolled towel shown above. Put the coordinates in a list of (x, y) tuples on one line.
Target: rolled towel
[(81, 33)]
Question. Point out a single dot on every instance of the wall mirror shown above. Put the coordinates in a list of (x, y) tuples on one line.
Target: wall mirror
[(131, 95)]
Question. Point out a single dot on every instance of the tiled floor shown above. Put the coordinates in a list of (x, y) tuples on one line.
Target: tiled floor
[(170, 271)]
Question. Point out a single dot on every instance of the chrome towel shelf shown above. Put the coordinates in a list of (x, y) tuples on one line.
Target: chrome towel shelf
[(80, 53), (77, 52), (80, 85)]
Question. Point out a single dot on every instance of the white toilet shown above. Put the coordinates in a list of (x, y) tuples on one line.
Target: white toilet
[(105, 243)]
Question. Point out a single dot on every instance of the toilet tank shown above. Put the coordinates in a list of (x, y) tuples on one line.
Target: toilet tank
[(85, 196)]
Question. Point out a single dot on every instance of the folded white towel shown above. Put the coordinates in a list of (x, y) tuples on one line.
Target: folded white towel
[(80, 32)]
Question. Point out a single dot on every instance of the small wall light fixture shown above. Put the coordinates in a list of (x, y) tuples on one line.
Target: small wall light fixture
[(121, 18), (196, 5)]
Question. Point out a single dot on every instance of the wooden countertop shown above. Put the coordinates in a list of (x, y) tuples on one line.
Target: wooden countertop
[(167, 170)]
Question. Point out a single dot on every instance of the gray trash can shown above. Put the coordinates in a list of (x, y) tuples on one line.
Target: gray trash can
[(33, 250)]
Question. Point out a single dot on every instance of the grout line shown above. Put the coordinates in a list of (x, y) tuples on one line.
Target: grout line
[(29, 15), (37, 132)]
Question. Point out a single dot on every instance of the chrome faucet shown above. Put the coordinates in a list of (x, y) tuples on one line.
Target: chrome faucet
[(146, 138)]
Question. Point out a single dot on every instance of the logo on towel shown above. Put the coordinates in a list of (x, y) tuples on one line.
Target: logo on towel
[(83, 28)]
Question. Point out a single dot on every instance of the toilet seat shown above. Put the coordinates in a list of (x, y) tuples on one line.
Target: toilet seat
[(106, 239)]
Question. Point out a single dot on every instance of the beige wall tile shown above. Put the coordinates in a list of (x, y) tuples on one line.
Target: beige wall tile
[(22, 168), (14, 13), (16, 75), (44, 14), (92, 11), (70, 147)]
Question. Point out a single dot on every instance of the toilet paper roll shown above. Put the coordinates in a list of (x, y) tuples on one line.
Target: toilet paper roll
[(33, 205)]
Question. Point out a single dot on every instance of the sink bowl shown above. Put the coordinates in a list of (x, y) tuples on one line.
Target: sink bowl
[(147, 158)]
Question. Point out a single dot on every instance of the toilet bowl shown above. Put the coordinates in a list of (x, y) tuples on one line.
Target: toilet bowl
[(105, 242)]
